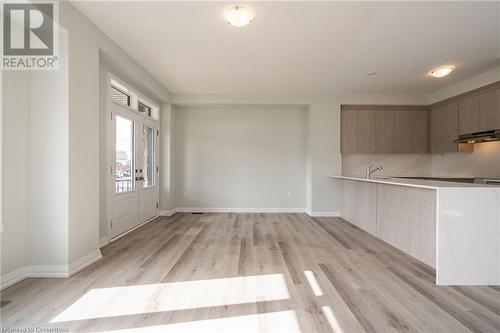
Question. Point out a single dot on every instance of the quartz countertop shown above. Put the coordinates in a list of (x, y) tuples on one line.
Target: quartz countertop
[(422, 183)]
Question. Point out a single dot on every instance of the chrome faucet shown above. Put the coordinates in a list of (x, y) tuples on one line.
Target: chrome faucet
[(369, 170)]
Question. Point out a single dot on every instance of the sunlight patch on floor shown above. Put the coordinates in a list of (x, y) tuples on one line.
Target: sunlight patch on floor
[(282, 321), (150, 298), (334, 324), (313, 283)]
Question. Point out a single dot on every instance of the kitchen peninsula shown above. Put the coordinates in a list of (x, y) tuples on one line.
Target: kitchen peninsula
[(453, 227)]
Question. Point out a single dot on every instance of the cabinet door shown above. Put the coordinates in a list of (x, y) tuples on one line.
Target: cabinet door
[(349, 137), (489, 110), (366, 131), (420, 132), (436, 124), (402, 131), (451, 127), (384, 131), (468, 115), (406, 219)]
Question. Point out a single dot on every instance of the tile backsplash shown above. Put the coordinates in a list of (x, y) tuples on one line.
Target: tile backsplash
[(483, 162)]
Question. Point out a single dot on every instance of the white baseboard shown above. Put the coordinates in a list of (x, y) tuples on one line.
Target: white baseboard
[(13, 277), (168, 212), (238, 210), (35, 271), (39, 271), (323, 214), (103, 241), (87, 260), (48, 271)]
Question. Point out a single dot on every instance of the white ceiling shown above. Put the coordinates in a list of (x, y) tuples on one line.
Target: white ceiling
[(304, 47)]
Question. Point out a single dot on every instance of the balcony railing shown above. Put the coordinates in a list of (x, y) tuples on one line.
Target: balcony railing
[(124, 185)]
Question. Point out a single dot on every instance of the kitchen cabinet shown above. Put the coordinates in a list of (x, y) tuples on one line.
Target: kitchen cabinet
[(359, 205), (384, 131), (366, 131), (436, 121), (431, 222), (443, 123), (402, 216), (489, 110), (406, 219), (349, 131), (420, 132), (468, 114), (450, 127), (403, 131), (479, 111)]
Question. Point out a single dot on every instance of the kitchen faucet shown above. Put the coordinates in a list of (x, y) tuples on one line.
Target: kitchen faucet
[(369, 170)]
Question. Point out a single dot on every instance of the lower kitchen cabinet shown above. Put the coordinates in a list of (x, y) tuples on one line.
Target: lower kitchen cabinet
[(406, 219), (359, 205), (432, 222)]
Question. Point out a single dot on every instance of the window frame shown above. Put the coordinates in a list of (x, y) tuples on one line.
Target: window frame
[(135, 97)]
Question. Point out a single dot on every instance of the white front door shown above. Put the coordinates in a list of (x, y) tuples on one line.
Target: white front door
[(133, 152)]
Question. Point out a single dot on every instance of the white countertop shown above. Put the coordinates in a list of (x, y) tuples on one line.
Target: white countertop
[(422, 183)]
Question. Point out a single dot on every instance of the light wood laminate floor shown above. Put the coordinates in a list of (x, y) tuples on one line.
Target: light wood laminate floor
[(251, 272)]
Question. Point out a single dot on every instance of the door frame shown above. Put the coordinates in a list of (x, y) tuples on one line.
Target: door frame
[(140, 120)]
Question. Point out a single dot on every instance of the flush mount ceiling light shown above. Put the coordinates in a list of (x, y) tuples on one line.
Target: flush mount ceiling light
[(441, 71), (238, 15)]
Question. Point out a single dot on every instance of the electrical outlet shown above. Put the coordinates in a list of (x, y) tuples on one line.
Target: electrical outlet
[(289, 194), (2, 227)]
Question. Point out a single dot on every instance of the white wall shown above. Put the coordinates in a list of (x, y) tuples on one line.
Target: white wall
[(167, 151), (15, 169), (240, 157), (48, 161), (87, 46), (35, 167), (54, 219), (322, 195)]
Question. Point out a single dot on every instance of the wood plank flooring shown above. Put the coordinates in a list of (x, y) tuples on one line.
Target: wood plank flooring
[(251, 272)]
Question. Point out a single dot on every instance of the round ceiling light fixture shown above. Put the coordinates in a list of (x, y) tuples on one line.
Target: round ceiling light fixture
[(442, 71), (238, 15)]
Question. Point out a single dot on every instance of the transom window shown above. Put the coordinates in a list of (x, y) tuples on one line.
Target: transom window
[(123, 94)]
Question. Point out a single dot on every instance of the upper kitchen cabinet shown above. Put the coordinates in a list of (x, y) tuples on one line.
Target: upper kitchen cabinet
[(450, 127), (366, 131), (436, 122), (479, 110), (444, 128), (468, 114), (489, 110), (384, 129), (402, 131), (349, 131), (420, 132)]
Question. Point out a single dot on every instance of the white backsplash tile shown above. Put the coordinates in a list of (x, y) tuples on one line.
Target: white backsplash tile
[(483, 162)]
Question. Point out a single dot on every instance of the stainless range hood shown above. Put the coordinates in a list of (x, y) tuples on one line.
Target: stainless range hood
[(486, 136)]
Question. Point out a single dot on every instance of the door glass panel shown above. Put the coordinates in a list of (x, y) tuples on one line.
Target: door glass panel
[(124, 167), (148, 148)]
